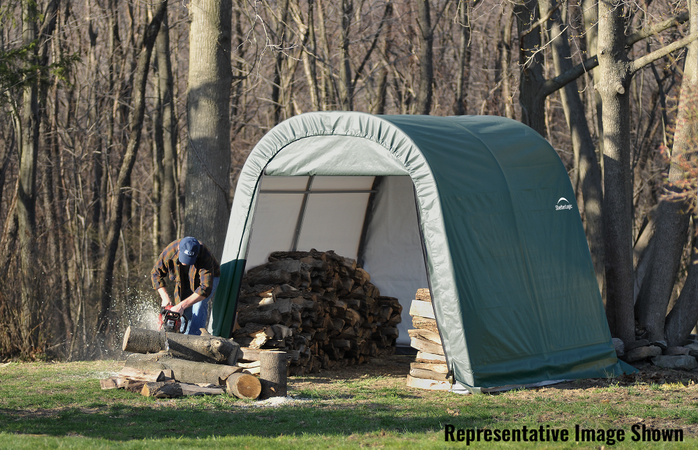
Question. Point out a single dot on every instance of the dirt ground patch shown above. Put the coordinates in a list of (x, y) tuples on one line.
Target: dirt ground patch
[(397, 367)]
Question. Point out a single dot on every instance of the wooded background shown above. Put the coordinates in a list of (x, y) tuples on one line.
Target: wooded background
[(126, 124)]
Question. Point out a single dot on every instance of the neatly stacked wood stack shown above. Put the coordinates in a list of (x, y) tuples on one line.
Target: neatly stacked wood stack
[(319, 307), (429, 369), (167, 365)]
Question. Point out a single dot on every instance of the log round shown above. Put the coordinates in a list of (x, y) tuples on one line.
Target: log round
[(243, 385), (274, 373)]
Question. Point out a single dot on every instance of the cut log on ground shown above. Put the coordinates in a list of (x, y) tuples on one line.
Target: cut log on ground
[(243, 385), (162, 390), (210, 349), (185, 371), (133, 385), (175, 390), (110, 383)]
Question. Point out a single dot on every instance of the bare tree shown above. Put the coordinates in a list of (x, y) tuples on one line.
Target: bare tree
[(208, 122)]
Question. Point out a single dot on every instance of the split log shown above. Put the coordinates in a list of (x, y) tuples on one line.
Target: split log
[(243, 385), (268, 317), (423, 294), (422, 383), (423, 323), (352, 317), (440, 368), (426, 346), (133, 385), (194, 348), (194, 390), (162, 390), (248, 354), (186, 371), (261, 337), (430, 358), (422, 309), (427, 374), (274, 373), (146, 373), (109, 383), (426, 335), (122, 383)]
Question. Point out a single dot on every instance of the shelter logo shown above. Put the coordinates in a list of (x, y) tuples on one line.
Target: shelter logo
[(562, 204)]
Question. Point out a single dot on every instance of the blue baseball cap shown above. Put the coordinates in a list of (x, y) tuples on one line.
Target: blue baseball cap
[(188, 250)]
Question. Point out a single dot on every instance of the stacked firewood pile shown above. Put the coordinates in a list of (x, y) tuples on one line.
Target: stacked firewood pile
[(429, 369), (319, 307), (168, 365)]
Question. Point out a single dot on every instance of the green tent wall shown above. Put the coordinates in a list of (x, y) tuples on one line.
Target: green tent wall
[(479, 207)]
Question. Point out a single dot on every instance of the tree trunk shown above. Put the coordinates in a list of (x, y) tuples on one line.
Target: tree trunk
[(531, 61), (670, 235), (167, 208), (684, 314), (591, 34), (29, 150), (26, 205), (328, 89), (310, 60), (346, 91), (425, 89), (613, 86), (277, 93), (503, 64), (460, 106), (208, 161), (125, 170)]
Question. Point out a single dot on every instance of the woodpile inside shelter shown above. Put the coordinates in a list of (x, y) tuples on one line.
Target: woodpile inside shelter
[(319, 307), (429, 369), (169, 365)]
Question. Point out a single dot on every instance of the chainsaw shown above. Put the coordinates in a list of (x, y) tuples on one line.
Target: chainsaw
[(171, 321)]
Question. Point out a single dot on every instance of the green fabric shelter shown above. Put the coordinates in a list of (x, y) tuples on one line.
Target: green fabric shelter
[(479, 207)]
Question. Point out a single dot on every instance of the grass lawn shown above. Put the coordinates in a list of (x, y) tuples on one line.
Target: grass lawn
[(60, 405)]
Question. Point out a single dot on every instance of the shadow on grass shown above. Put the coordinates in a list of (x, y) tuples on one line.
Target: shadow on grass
[(123, 423)]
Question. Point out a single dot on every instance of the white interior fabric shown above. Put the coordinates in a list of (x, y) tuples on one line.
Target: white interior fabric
[(275, 218), (394, 257)]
